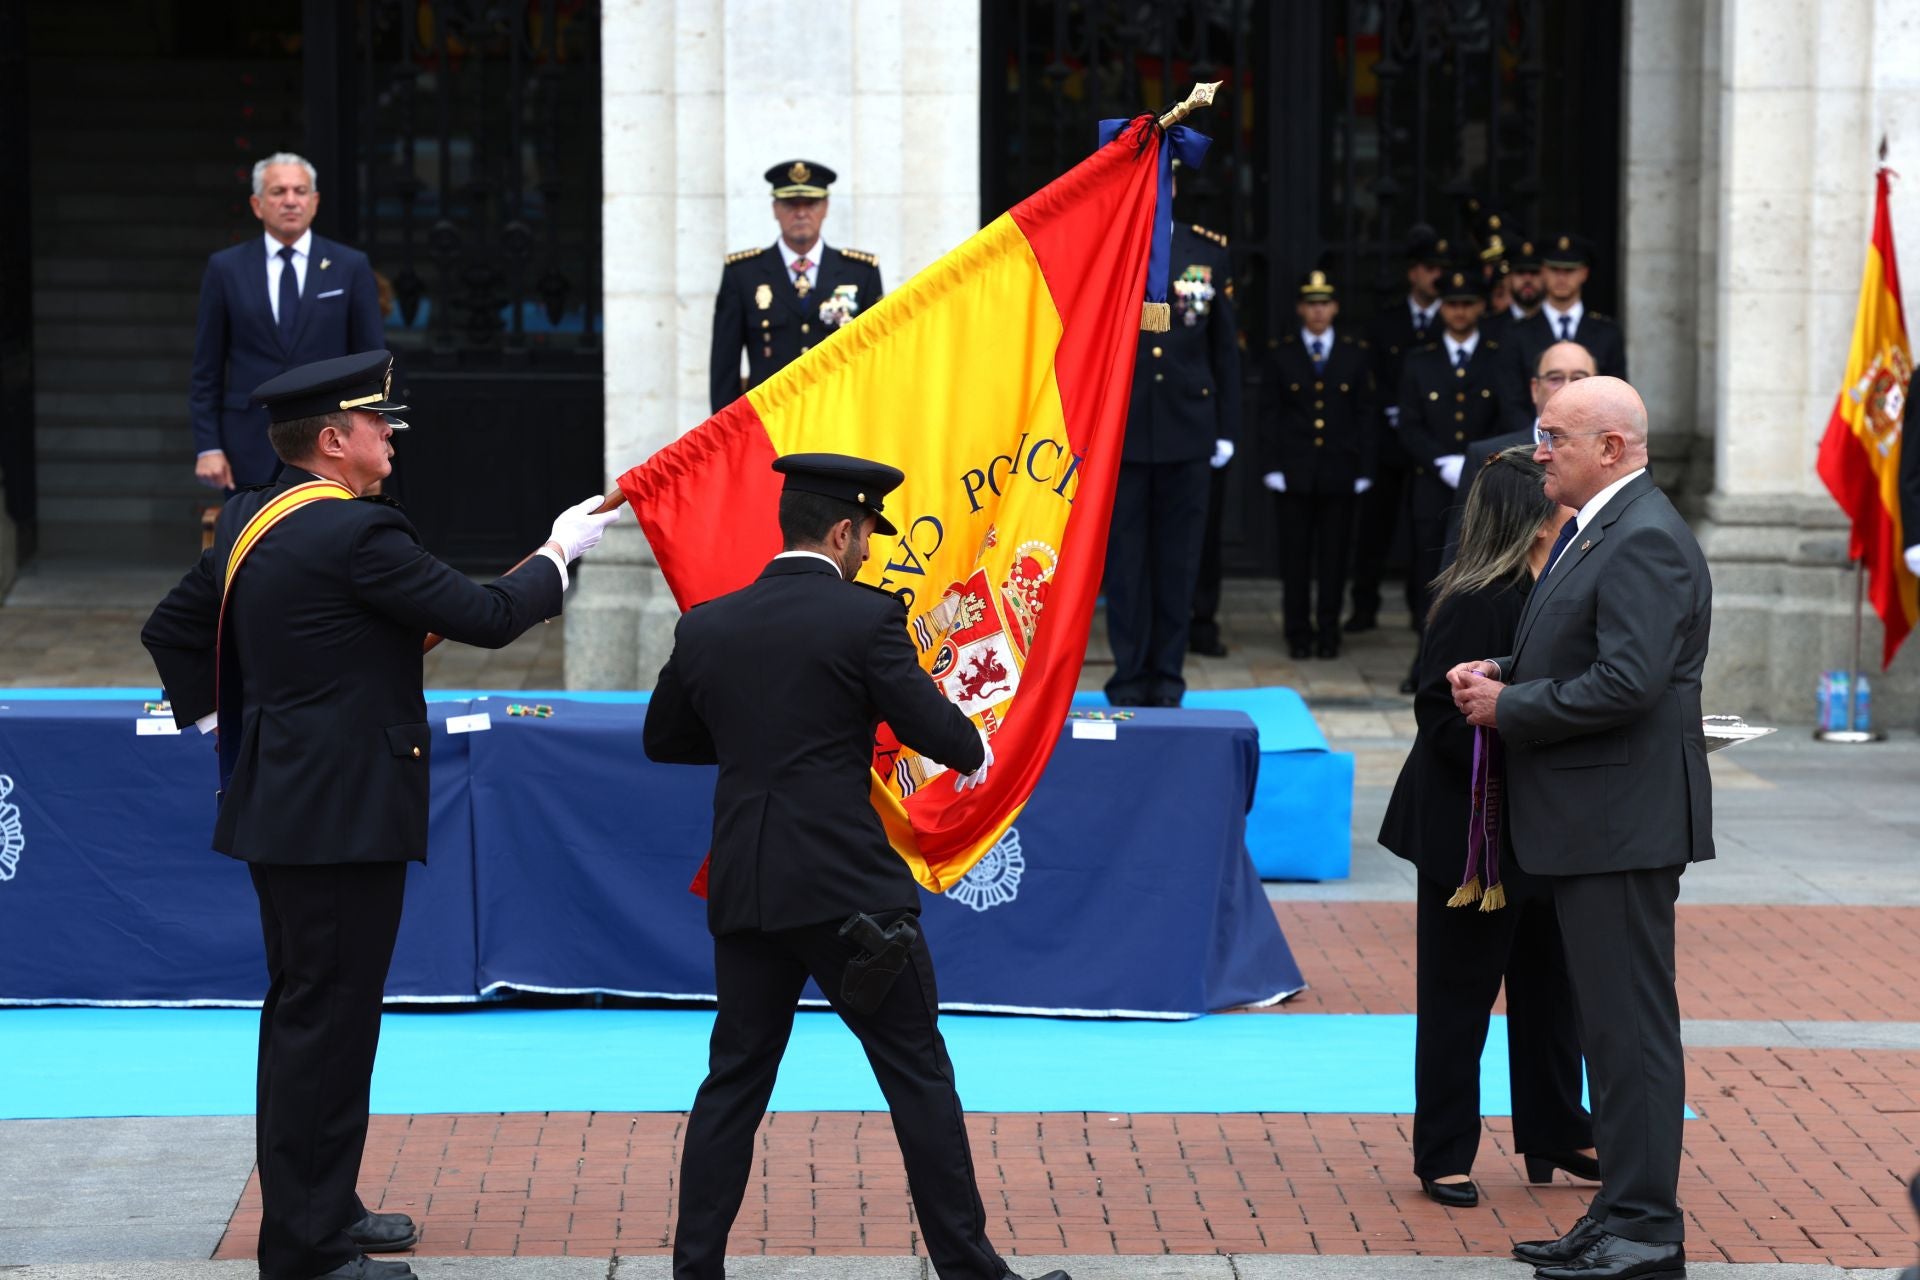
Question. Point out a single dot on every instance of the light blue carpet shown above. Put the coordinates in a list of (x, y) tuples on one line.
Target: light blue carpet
[(59, 1063)]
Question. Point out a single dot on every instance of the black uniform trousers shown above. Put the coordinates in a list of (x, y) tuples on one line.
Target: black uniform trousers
[(1618, 928), (329, 933), (1383, 512), (1315, 529), (758, 978), (1153, 557), (1463, 954), (1428, 499), (1205, 630)]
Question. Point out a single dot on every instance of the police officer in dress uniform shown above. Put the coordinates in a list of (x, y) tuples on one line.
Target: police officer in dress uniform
[(312, 649), (1397, 329), (1452, 391), (1184, 413), (781, 301), (1566, 258), (1319, 450), (782, 684)]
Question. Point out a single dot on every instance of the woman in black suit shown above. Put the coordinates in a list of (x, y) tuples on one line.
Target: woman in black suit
[(1465, 950)]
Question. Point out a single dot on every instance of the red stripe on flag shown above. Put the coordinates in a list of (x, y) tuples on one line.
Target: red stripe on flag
[(674, 495)]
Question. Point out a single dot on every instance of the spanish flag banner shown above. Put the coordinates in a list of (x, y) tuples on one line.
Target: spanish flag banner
[(997, 379), (1860, 454)]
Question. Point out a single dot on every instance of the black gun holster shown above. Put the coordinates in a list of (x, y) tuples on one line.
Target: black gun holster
[(883, 954)]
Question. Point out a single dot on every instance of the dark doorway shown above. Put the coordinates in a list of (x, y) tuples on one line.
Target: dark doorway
[(1340, 124), (458, 144)]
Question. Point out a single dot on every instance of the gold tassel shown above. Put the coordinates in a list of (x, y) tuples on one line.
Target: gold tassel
[(1156, 317), (1496, 898), (1466, 895)]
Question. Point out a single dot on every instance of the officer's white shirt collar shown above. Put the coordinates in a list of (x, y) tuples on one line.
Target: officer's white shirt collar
[(788, 256), (1517, 311), (1455, 348), (275, 263), (1600, 499), (1422, 317), (1572, 313), (792, 555), (1308, 338)]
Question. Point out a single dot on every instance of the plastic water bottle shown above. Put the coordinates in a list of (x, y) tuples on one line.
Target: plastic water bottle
[(1834, 708), (1862, 693)]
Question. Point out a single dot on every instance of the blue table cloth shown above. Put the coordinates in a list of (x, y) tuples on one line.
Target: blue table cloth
[(559, 859)]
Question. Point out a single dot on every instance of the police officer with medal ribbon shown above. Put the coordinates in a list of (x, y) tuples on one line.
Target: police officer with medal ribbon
[(299, 635), (1182, 423), (782, 684), (781, 301)]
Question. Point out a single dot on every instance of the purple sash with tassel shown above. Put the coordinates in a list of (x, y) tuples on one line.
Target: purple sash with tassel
[(1483, 827)]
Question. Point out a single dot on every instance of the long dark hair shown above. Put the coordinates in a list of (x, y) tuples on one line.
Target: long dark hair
[(1505, 508)]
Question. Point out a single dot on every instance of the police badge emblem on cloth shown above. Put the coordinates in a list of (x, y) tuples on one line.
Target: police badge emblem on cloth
[(763, 297)]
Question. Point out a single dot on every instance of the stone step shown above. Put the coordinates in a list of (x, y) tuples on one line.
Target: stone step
[(149, 440), (113, 336), (174, 275), (108, 308), (170, 538), (135, 478), (79, 372), (186, 242), (65, 206)]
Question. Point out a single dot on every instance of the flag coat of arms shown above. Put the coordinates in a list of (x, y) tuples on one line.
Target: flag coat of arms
[(1860, 453), (997, 380)]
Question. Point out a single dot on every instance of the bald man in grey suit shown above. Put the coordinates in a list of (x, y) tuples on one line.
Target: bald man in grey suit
[(1608, 796)]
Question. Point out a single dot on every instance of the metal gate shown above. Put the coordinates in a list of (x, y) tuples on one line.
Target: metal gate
[(467, 134), (1341, 123)]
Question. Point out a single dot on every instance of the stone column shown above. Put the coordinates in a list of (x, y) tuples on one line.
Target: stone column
[(699, 98), (1804, 93)]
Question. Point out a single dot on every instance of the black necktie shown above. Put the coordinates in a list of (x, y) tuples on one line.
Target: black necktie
[(1460, 357), (289, 292), (1567, 531), (1566, 328), (1421, 320), (1319, 349)]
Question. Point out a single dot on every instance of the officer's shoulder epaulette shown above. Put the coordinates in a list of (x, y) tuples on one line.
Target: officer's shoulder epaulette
[(381, 499), (743, 254), (1217, 237), (1290, 339), (1363, 343), (1492, 344), (860, 255), (1599, 315), (1346, 339), (881, 591)]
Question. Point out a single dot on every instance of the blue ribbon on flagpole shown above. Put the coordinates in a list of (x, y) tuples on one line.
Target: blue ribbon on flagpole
[(1190, 148)]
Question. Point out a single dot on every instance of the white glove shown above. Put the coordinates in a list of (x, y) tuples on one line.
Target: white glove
[(1362, 485), (1275, 480), (1393, 416), (1913, 558), (1448, 465), (1222, 453), (968, 781), (578, 529)]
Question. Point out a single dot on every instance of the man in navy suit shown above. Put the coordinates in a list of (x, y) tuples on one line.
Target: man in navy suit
[(267, 306)]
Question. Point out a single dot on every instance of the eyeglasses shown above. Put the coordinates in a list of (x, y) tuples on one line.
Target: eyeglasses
[(1553, 439), (1558, 379)]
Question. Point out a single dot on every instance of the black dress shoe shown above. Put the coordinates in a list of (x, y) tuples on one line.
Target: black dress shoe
[(1327, 649), (1051, 1275), (1361, 622), (384, 1233), (1410, 685), (1540, 1168), (1299, 651), (1208, 648), (1454, 1195), (1543, 1253), (365, 1268), (1611, 1257)]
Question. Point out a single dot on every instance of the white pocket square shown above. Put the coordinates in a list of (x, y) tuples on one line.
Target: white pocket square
[(331, 293)]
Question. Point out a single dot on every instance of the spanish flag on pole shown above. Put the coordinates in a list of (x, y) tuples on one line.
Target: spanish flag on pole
[(1860, 454), (997, 379)]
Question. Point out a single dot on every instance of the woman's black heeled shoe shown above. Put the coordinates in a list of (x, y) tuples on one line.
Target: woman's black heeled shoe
[(1540, 1168), (1454, 1195)]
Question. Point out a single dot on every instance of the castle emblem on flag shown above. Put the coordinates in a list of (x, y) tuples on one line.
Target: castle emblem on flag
[(995, 879), (13, 841), (1881, 393)]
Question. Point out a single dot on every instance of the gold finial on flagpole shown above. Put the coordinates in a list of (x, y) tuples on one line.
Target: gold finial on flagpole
[(1202, 96)]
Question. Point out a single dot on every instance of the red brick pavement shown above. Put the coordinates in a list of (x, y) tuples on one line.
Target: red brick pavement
[(1741, 962), (1797, 1155)]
